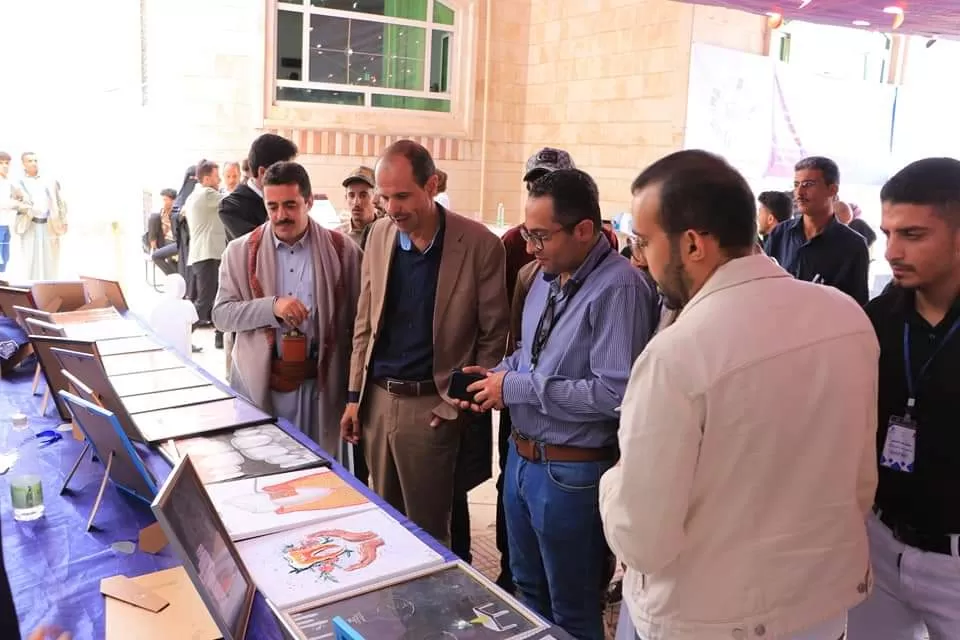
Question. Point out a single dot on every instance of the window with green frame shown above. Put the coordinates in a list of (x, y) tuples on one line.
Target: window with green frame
[(394, 54)]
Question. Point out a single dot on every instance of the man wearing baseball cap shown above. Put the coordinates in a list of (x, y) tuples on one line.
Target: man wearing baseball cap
[(544, 161), (359, 185)]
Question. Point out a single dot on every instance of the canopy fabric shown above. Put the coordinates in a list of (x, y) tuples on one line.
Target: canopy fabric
[(926, 17)]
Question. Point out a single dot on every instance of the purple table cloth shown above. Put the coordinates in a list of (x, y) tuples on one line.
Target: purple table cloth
[(55, 567)]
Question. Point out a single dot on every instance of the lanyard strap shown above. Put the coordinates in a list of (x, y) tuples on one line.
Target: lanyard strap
[(907, 361)]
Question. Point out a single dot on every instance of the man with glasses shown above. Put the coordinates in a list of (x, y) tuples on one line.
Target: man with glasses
[(583, 325), (816, 246)]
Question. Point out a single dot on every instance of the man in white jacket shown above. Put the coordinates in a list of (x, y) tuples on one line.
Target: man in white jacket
[(748, 462)]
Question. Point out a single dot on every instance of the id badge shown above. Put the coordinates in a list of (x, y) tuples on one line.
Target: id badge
[(900, 447)]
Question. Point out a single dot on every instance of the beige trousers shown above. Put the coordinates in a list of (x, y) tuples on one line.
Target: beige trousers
[(411, 464)]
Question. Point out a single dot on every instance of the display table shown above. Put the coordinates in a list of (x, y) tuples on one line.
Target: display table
[(55, 567)]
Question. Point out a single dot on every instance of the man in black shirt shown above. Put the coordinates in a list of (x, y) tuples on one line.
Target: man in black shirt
[(916, 522), (816, 246)]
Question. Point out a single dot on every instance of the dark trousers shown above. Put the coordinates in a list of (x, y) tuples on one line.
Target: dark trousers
[(505, 579), (163, 258), (460, 528), (206, 274)]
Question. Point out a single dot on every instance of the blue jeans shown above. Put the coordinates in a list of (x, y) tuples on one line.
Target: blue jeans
[(558, 554), (4, 247)]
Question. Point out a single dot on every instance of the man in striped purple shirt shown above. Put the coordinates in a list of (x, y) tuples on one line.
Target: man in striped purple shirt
[(585, 320)]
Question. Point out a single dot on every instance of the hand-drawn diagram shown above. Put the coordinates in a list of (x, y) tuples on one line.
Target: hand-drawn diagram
[(320, 560), (254, 507), (450, 604)]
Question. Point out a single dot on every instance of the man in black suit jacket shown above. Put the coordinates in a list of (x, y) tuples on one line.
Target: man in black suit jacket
[(242, 211)]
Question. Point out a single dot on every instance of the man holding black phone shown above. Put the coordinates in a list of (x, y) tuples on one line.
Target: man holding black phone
[(432, 298), (584, 323)]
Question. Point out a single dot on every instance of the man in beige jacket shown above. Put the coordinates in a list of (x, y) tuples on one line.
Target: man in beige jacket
[(748, 462), (289, 289), (207, 237)]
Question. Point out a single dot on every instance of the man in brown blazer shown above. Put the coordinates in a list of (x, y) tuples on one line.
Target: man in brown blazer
[(432, 299)]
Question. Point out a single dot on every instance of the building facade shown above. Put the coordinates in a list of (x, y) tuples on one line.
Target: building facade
[(481, 83)]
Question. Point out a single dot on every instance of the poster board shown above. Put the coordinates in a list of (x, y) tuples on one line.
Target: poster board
[(11, 297), (107, 437), (199, 539), (86, 368), (51, 367), (109, 290), (248, 452), (197, 419), (254, 507), (454, 601), (58, 295), (322, 561), (134, 384)]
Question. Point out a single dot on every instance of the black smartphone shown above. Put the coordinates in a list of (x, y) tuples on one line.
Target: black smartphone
[(459, 381)]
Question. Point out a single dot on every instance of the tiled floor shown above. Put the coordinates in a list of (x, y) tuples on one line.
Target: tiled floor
[(106, 256)]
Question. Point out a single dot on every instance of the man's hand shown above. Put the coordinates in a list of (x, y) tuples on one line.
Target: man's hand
[(48, 632), (436, 421), (487, 393), (350, 423), (290, 311)]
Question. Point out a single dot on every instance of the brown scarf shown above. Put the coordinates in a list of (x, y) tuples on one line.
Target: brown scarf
[(331, 330)]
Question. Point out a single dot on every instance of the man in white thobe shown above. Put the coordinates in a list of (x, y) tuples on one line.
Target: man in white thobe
[(41, 226)]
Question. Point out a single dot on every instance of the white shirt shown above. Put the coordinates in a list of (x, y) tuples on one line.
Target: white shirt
[(748, 461), (40, 193)]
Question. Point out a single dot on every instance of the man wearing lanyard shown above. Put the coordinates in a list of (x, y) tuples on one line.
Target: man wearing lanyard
[(584, 323), (916, 521)]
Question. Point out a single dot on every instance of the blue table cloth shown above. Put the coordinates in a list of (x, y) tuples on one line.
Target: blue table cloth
[(54, 566)]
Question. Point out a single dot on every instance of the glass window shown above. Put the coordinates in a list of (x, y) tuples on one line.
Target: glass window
[(289, 45), (370, 47), (409, 9)]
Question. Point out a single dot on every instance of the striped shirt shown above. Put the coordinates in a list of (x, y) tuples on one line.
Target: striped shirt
[(602, 323)]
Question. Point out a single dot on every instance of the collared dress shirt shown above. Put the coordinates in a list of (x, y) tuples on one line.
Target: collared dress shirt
[(602, 323)]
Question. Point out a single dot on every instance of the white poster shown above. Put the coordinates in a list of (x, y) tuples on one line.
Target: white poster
[(729, 106), (320, 560), (254, 507)]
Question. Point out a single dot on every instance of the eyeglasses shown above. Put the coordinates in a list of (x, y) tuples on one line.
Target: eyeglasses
[(537, 238)]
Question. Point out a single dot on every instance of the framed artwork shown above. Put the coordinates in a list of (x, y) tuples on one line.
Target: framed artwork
[(119, 346), (51, 367), (249, 452), (86, 368), (11, 297), (454, 602), (197, 419), (104, 329), (255, 507), (109, 290), (86, 316), (119, 365), (58, 295), (318, 562), (107, 438), (172, 399), (200, 540), (135, 384)]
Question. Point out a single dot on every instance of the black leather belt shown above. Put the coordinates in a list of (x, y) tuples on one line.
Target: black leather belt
[(407, 388), (39, 220), (930, 542)]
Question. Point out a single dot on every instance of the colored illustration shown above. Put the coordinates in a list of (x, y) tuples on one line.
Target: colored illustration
[(257, 506), (319, 561), (325, 551)]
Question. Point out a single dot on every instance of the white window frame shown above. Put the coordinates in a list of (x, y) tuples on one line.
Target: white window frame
[(368, 118)]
